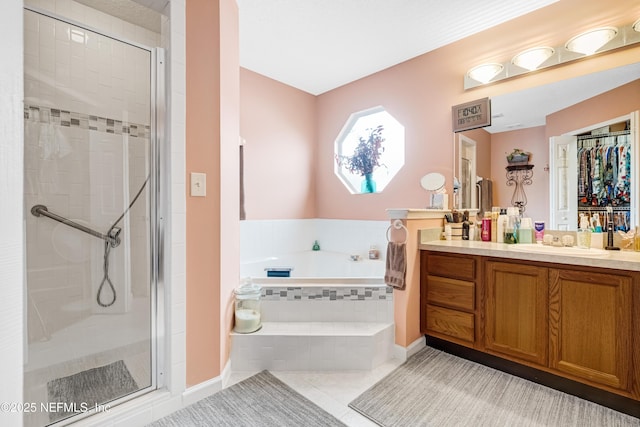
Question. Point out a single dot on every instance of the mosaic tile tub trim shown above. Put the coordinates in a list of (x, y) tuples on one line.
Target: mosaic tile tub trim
[(328, 293)]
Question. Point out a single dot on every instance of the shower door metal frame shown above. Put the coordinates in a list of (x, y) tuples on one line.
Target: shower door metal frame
[(157, 203)]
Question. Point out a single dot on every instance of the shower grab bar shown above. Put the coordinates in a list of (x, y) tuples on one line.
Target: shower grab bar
[(113, 237)]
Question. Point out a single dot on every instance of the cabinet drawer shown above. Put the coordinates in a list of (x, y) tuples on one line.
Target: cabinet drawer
[(451, 292), (450, 322), (451, 266)]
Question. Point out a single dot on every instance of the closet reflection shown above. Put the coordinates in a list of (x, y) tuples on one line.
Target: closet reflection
[(604, 177)]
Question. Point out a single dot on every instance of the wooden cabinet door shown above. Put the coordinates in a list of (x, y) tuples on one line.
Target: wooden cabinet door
[(516, 310), (590, 326)]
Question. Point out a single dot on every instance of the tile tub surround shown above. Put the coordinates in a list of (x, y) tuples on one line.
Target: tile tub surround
[(328, 304), (262, 239), (319, 328)]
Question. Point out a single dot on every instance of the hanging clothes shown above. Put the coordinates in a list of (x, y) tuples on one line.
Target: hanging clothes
[(604, 170)]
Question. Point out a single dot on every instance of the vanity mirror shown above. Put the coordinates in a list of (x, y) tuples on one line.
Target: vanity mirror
[(528, 120)]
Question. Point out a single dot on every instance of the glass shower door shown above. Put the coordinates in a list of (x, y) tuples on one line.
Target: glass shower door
[(89, 215)]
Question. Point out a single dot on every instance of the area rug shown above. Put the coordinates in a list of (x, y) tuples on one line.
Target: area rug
[(434, 388), (86, 389), (261, 400)]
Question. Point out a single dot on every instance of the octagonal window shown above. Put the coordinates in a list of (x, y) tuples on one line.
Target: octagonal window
[(369, 151)]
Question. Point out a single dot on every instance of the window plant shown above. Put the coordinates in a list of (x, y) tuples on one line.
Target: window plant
[(365, 158)]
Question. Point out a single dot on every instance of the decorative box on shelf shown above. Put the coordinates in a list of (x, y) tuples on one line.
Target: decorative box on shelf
[(518, 157)]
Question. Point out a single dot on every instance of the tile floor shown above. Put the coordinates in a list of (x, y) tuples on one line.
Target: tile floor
[(331, 390)]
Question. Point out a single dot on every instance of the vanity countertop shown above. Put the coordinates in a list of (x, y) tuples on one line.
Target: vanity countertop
[(619, 260)]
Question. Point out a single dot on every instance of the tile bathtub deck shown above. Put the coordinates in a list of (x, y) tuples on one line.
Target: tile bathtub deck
[(320, 328)]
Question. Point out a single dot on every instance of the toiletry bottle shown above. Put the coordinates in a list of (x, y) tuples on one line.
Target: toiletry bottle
[(538, 228), (584, 233), (316, 246), (513, 223), (525, 233), (465, 225), (486, 229), (502, 224), (495, 213)]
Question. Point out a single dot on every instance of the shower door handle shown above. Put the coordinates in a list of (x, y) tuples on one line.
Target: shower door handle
[(113, 238)]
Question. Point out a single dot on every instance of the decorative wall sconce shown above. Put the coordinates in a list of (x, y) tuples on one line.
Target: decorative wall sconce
[(594, 41)]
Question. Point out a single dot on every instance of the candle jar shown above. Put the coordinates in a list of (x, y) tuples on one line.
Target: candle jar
[(247, 308)]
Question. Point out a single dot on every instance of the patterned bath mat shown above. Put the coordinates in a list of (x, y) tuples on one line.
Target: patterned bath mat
[(261, 400), (434, 388), (84, 390)]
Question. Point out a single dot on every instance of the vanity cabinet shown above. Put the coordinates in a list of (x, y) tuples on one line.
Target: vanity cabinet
[(591, 326), (448, 305), (516, 307), (577, 323)]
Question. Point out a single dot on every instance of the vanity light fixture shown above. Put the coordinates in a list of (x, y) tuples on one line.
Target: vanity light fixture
[(485, 72), (589, 42), (531, 59), (597, 40)]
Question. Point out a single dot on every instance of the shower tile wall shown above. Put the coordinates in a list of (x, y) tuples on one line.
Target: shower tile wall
[(79, 100)]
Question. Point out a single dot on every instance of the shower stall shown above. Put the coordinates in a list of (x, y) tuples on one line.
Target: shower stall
[(91, 104)]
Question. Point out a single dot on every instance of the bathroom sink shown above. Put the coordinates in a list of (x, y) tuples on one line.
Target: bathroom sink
[(559, 250)]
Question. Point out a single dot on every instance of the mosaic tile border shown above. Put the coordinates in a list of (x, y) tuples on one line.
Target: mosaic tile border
[(329, 293), (85, 121)]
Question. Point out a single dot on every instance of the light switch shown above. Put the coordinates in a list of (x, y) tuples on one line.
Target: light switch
[(198, 184)]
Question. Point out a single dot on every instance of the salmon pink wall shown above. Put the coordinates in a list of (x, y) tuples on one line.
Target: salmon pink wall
[(535, 142), (278, 123), (212, 142), (229, 244), (420, 92), (612, 104)]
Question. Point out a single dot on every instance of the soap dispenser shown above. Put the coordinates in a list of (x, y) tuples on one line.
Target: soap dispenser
[(584, 233)]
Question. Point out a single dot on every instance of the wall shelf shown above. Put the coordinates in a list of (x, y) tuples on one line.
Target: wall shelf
[(519, 176)]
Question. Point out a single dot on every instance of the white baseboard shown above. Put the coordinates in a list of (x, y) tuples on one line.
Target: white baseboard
[(403, 353), (202, 390), (226, 373)]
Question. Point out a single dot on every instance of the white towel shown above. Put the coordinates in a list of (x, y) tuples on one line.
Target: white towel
[(396, 271)]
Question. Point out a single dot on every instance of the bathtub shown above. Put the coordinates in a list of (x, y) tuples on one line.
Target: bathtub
[(316, 267)]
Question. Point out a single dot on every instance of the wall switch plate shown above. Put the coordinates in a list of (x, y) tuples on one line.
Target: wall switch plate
[(198, 184)]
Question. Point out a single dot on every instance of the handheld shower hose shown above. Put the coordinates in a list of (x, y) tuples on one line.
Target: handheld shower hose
[(114, 234)]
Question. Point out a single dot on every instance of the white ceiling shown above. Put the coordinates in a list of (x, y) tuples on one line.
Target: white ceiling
[(318, 45)]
